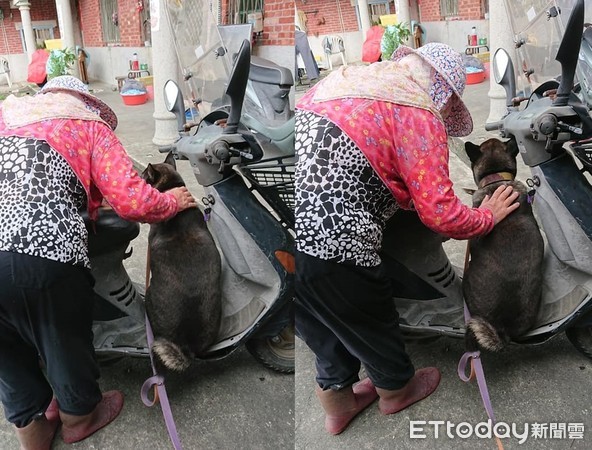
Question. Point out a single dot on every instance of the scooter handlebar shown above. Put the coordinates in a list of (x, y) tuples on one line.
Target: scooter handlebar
[(166, 148), (221, 151), (492, 126)]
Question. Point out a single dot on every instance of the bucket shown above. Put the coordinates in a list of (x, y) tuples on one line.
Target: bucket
[(475, 77), (150, 92), (486, 66), (137, 99)]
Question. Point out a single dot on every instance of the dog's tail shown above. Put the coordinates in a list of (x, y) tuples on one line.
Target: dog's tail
[(171, 354), (486, 335)]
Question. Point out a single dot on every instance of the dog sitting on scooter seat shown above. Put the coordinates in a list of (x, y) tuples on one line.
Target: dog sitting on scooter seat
[(503, 282), (183, 300)]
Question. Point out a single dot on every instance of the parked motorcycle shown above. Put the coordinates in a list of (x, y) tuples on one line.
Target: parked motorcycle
[(242, 153), (430, 301)]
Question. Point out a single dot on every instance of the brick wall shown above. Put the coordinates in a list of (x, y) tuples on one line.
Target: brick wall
[(429, 10), (278, 23), (10, 37), (90, 23), (130, 31), (327, 17)]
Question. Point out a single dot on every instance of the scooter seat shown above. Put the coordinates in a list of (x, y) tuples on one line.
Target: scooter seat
[(268, 72), (109, 232)]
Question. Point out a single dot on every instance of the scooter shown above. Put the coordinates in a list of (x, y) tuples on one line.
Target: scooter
[(243, 157), (429, 296)]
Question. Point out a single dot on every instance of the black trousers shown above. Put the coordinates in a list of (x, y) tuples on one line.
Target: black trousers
[(347, 317), (45, 315)]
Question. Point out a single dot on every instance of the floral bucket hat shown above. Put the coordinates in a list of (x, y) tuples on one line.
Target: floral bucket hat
[(72, 85), (448, 81)]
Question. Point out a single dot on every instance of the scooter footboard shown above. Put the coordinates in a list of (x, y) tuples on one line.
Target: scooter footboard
[(422, 267), (118, 317), (555, 317), (114, 285), (118, 313), (254, 282), (427, 288), (562, 207), (108, 240), (123, 336)]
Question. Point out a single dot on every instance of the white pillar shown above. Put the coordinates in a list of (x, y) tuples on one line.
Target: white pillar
[(165, 67), (66, 25), (24, 7), (500, 36), (403, 15), (364, 17)]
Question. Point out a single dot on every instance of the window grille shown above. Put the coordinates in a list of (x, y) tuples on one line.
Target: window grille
[(485, 7), (110, 21), (145, 18), (42, 30), (41, 35), (449, 8), (239, 9)]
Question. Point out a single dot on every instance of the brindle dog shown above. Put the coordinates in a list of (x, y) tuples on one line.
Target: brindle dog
[(183, 301), (502, 285)]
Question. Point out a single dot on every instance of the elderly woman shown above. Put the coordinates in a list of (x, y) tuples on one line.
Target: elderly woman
[(370, 140), (58, 156)]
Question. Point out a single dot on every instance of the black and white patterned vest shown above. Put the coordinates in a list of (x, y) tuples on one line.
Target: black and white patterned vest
[(342, 205), (40, 199)]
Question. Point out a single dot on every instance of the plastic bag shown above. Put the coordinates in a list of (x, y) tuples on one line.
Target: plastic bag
[(132, 87), (371, 47), (472, 63)]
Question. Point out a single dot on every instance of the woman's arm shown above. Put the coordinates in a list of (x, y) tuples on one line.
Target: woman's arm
[(112, 172)]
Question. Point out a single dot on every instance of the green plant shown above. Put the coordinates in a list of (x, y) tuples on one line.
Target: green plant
[(393, 36), (60, 62)]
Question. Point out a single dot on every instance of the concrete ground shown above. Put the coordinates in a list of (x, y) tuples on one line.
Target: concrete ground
[(232, 403), (548, 384)]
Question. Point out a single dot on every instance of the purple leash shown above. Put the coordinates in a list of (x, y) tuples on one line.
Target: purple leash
[(161, 394), (476, 368), (158, 381), (475, 357)]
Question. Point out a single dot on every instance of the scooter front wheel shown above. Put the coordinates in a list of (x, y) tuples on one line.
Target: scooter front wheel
[(277, 353), (581, 338)]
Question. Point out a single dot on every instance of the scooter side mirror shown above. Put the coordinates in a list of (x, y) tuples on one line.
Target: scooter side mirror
[(173, 101), (237, 85), (503, 73), (567, 55)]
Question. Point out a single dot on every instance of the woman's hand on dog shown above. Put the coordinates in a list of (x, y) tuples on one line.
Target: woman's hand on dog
[(184, 198), (501, 203)]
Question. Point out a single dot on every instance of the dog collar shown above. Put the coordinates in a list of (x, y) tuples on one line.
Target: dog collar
[(495, 178)]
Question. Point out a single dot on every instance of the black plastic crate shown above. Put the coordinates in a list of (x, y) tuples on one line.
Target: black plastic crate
[(273, 178), (584, 154)]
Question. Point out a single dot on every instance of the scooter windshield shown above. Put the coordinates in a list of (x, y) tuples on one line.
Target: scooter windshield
[(204, 58), (538, 27)]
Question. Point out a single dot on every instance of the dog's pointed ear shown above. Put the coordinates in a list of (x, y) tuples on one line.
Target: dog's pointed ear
[(170, 159), (473, 151), (512, 147), (150, 174)]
